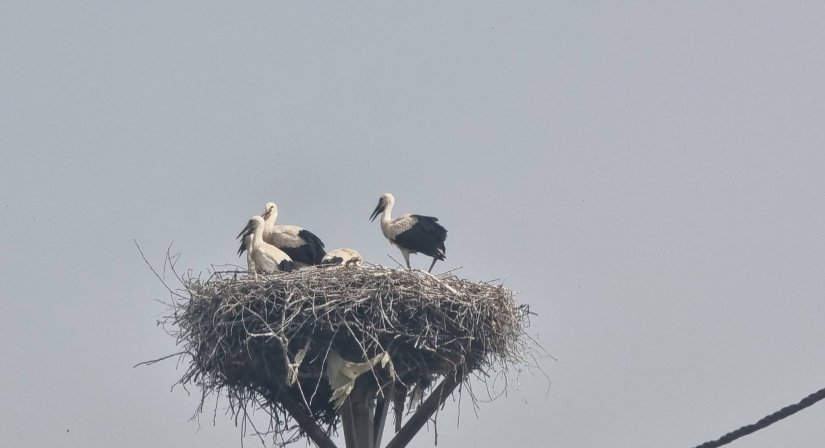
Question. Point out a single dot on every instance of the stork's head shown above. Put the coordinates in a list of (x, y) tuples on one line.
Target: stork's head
[(254, 223), (386, 200), (271, 210)]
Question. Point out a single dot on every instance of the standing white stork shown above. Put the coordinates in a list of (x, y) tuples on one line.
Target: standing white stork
[(265, 258), (302, 246), (411, 233), (344, 256)]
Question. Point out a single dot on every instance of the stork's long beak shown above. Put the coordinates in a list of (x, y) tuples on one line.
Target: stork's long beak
[(378, 209), (242, 248), (245, 230)]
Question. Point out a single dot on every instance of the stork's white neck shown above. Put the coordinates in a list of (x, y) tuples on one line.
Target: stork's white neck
[(258, 235), (270, 219), (386, 217)]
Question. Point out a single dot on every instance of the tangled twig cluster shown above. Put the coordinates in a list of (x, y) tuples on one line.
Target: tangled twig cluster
[(269, 340)]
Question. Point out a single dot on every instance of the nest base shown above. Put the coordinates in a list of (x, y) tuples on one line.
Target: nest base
[(319, 347)]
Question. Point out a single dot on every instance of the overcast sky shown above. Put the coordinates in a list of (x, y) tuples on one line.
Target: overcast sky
[(648, 175)]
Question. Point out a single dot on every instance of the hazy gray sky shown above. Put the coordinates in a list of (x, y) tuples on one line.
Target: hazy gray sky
[(648, 175)]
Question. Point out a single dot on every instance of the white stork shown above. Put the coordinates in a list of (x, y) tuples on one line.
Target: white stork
[(265, 258), (343, 256), (302, 246), (411, 233)]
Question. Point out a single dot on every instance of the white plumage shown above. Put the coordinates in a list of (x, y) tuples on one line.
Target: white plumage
[(411, 233), (343, 256), (264, 257), (303, 246)]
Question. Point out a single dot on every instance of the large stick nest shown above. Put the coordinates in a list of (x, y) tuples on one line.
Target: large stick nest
[(264, 339)]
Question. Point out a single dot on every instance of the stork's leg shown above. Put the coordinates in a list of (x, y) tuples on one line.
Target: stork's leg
[(433, 264)]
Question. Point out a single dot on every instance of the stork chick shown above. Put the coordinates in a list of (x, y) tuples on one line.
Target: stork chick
[(343, 256), (411, 233), (264, 257), (302, 246)]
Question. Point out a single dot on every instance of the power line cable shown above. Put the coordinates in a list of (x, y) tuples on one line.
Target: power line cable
[(765, 421)]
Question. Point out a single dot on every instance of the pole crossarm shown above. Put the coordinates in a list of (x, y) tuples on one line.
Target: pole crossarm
[(426, 410), (304, 420)]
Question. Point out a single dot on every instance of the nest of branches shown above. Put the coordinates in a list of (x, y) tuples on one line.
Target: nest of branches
[(275, 342)]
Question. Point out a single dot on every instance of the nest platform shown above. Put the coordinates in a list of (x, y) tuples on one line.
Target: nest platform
[(304, 345)]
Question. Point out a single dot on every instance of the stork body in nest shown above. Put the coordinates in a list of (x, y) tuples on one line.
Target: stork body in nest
[(344, 256), (302, 246), (264, 258)]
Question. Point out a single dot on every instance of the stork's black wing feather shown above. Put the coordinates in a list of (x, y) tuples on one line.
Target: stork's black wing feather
[(311, 252), (286, 266), (426, 236)]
